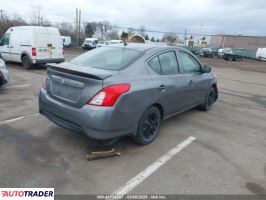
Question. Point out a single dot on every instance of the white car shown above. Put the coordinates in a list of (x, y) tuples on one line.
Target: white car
[(221, 53), (32, 45), (4, 76), (261, 54)]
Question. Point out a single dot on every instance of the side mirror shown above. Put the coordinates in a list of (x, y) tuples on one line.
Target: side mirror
[(206, 69)]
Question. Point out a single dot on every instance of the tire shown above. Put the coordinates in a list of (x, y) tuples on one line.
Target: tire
[(209, 101), (26, 62), (148, 126)]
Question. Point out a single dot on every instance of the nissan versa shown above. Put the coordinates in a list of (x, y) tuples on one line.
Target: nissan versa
[(122, 90)]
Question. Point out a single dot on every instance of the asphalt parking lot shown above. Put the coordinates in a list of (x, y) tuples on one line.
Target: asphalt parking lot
[(228, 155)]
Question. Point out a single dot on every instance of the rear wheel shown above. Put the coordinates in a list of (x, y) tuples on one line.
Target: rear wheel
[(148, 126), (210, 99), (26, 62)]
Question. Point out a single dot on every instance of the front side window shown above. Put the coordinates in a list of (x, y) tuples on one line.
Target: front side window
[(165, 64), (190, 64), (5, 40)]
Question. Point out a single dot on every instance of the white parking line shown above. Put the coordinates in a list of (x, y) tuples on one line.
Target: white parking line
[(17, 86), (17, 118), (130, 185)]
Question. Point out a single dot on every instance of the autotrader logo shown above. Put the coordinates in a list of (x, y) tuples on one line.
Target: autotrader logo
[(26, 193)]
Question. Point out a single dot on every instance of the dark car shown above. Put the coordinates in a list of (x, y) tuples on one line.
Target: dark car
[(206, 53), (122, 90)]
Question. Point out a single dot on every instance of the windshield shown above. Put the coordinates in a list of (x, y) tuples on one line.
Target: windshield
[(88, 42), (110, 58)]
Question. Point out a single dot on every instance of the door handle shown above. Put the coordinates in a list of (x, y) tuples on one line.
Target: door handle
[(161, 88), (191, 83)]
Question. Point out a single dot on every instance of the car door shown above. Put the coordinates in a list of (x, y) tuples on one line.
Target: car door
[(194, 78), (5, 47), (169, 83)]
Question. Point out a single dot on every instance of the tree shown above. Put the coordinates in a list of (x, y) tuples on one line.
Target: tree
[(158, 40), (90, 28), (112, 35), (131, 31), (152, 39), (172, 38), (147, 37), (142, 31), (37, 16), (66, 29), (104, 27), (124, 36)]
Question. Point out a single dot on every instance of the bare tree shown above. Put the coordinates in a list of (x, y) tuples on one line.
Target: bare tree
[(104, 27), (66, 29), (112, 35), (37, 17), (142, 31), (131, 31)]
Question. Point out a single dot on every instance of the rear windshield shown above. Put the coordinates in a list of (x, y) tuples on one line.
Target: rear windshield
[(110, 58)]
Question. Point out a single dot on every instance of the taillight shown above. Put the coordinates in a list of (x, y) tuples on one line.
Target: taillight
[(45, 83), (33, 52), (109, 95)]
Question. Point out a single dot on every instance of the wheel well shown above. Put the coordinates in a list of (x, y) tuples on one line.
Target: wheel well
[(159, 106), (216, 91), (22, 55)]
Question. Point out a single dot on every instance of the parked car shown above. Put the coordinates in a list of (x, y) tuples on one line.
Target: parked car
[(221, 53), (32, 45), (229, 54), (90, 43), (66, 41), (101, 44), (120, 90), (206, 53), (4, 76), (261, 54)]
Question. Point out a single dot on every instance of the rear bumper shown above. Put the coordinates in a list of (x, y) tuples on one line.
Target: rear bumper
[(94, 121), (44, 61)]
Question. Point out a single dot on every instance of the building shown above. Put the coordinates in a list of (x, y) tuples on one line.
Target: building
[(238, 41)]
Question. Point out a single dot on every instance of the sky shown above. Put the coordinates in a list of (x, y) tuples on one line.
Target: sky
[(246, 17)]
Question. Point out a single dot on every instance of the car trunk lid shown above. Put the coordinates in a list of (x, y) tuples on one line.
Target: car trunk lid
[(75, 85)]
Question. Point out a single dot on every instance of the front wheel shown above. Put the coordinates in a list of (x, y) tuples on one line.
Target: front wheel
[(210, 99), (148, 126)]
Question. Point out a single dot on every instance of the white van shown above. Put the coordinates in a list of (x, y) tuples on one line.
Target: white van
[(66, 41), (31, 45), (90, 43), (261, 54)]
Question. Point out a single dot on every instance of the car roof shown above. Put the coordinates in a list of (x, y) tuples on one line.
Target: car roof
[(143, 47)]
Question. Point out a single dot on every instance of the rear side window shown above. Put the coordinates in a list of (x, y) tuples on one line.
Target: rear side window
[(165, 64), (155, 65), (168, 63), (109, 58)]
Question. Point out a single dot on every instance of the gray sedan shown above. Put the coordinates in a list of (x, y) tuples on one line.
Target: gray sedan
[(4, 76), (120, 90)]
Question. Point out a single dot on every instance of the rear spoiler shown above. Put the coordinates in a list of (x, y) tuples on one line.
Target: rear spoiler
[(74, 72)]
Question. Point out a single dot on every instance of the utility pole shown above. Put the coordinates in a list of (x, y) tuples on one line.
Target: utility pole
[(78, 18), (79, 22), (2, 17), (77, 36), (185, 36)]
